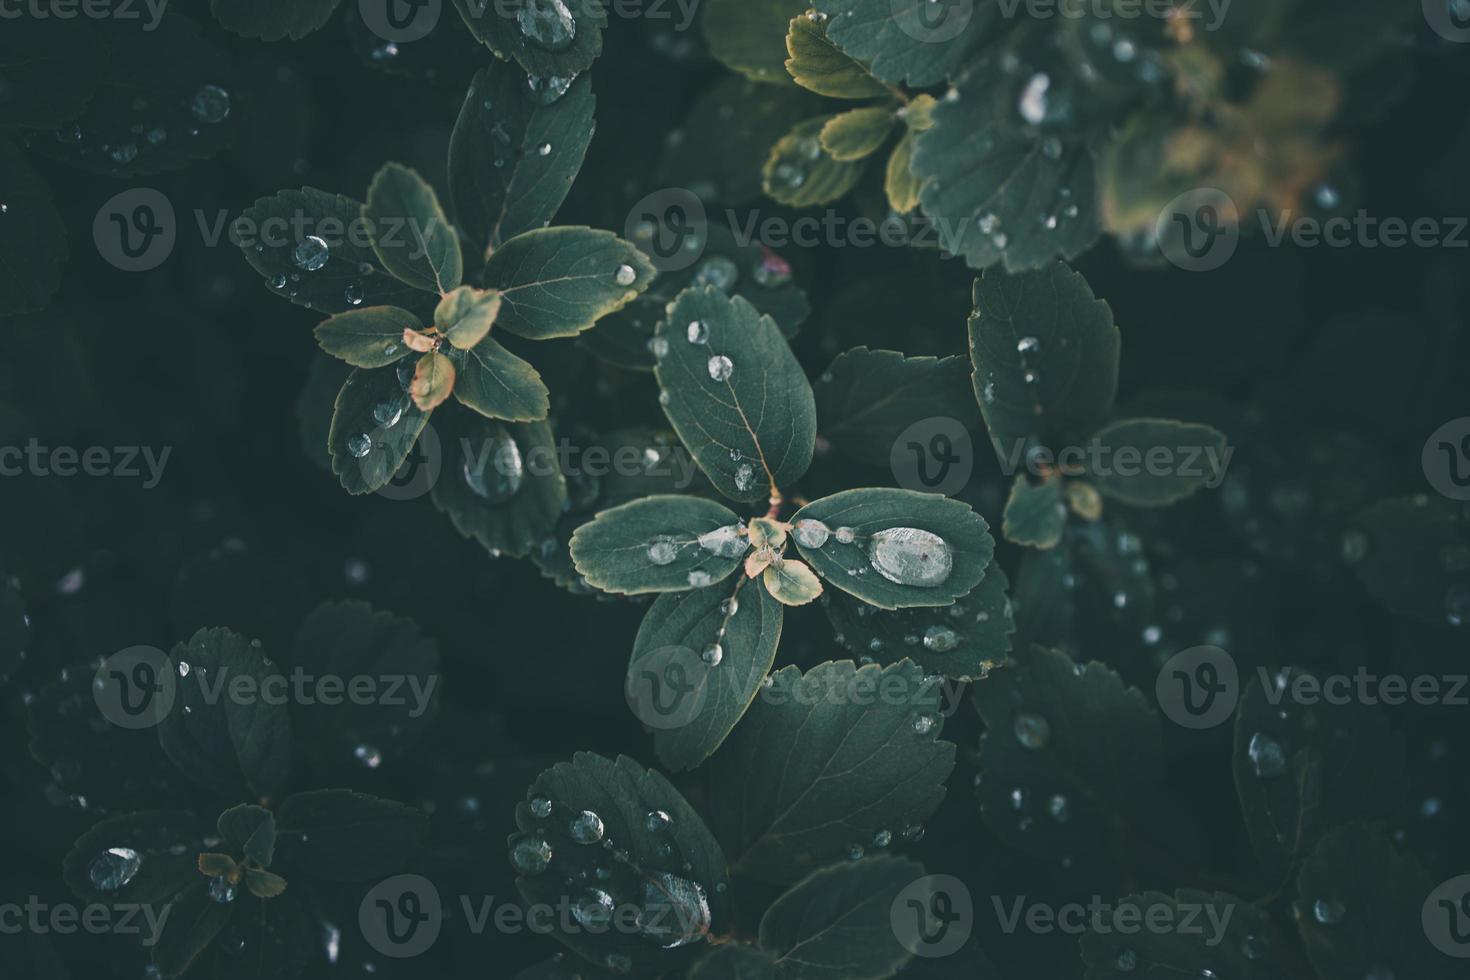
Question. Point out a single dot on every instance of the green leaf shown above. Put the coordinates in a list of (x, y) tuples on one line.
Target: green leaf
[(791, 583), (898, 548), (271, 20), (735, 961), (901, 41), (1301, 768), (340, 835), (867, 399), (501, 181), (800, 173), (837, 923), (15, 627), (370, 338), (818, 65), (251, 831), (368, 400), (499, 385), (561, 968), (1204, 934), (669, 865), (962, 642), (52, 69), (1036, 513), (548, 38), (1416, 557), (411, 236), (349, 640), (275, 231), (557, 282), (501, 484), (857, 751), (1195, 457), (167, 843), (749, 35), (900, 186), (32, 237), (1000, 191), (654, 545), (466, 314), (857, 133), (1046, 359), (1068, 751), (279, 935), (228, 743), (745, 623), (194, 919), (736, 394), (433, 380)]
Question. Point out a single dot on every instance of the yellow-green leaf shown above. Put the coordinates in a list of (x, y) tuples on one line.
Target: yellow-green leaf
[(857, 133), (433, 380), (791, 583), (900, 184), (264, 884), (818, 65), (800, 173), (466, 314)]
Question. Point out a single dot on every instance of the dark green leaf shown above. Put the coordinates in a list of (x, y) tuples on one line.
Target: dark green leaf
[(898, 548), (736, 394), (370, 338), (557, 282), (512, 157), (857, 751), (654, 545), (550, 39), (903, 40), (501, 483), (411, 236), (1304, 764), (250, 831), (166, 843), (800, 173), (815, 63), (271, 20), (499, 385), (750, 35), (837, 923), (273, 234), (1046, 359), (349, 641), (1036, 513), (466, 314), (32, 237), (962, 642), (194, 919), (1416, 557), (734, 961), (1202, 934), (1067, 751), (15, 627), (366, 452), (867, 399), (668, 864), (857, 133), (227, 731), (276, 937), (1194, 457), (340, 835), (1366, 908), (50, 69), (561, 968), (743, 623)]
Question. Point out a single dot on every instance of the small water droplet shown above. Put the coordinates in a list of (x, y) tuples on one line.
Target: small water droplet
[(530, 855), (210, 104), (222, 889), (626, 275), (586, 828), (923, 724), (359, 445), (353, 294), (940, 639), (594, 910), (1328, 912), (697, 332), (810, 533), (720, 368), (1268, 758), (713, 654), (1032, 730), (540, 807), (311, 254)]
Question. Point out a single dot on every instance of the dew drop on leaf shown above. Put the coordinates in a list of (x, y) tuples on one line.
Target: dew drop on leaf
[(114, 868), (548, 24), (940, 639), (720, 272), (697, 332), (221, 889), (210, 104), (910, 556), (625, 276), (594, 909), (726, 542), (359, 445), (1327, 911), (810, 533), (1268, 758), (744, 477), (1032, 731), (311, 254), (586, 828), (530, 855), (720, 367)]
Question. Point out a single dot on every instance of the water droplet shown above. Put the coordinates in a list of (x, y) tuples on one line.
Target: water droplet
[(311, 254), (810, 533), (496, 472), (114, 868), (1254, 946), (662, 550), (744, 477), (626, 275), (699, 578), (720, 367), (124, 153), (1032, 731), (278, 281), (1328, 911), (720, 272), (540, 807), (1268, 758), (1059, 808), (594, 910), (675, 911), (910, 556), (1457, 604), (546, 90), (368, 756), (530, 855), (387, 413), (1033, 103), (545, 150), (923, 724), (713, 654), (697, 332), (586, 828), (222, 889), (211, 104), (657, 821), (726, 542), (659, 347), (359, 445), (353, 294), (547, 24), (1027, 345), (940, 639), (1126, 960), (845, 535)]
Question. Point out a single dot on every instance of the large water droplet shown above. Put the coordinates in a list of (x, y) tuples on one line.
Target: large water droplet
[(697, 332), (720, 367), (662, 550), (547, 24), (713, 654), (594, 910), (540, 807), (311, 254), (586, 828), (726, 542), (530, 855), (114, 868), (810, 533), (496, 472), (910, 556), (1268, 758), (744, 477), (675, 912), (211, 104), (359, 445)]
